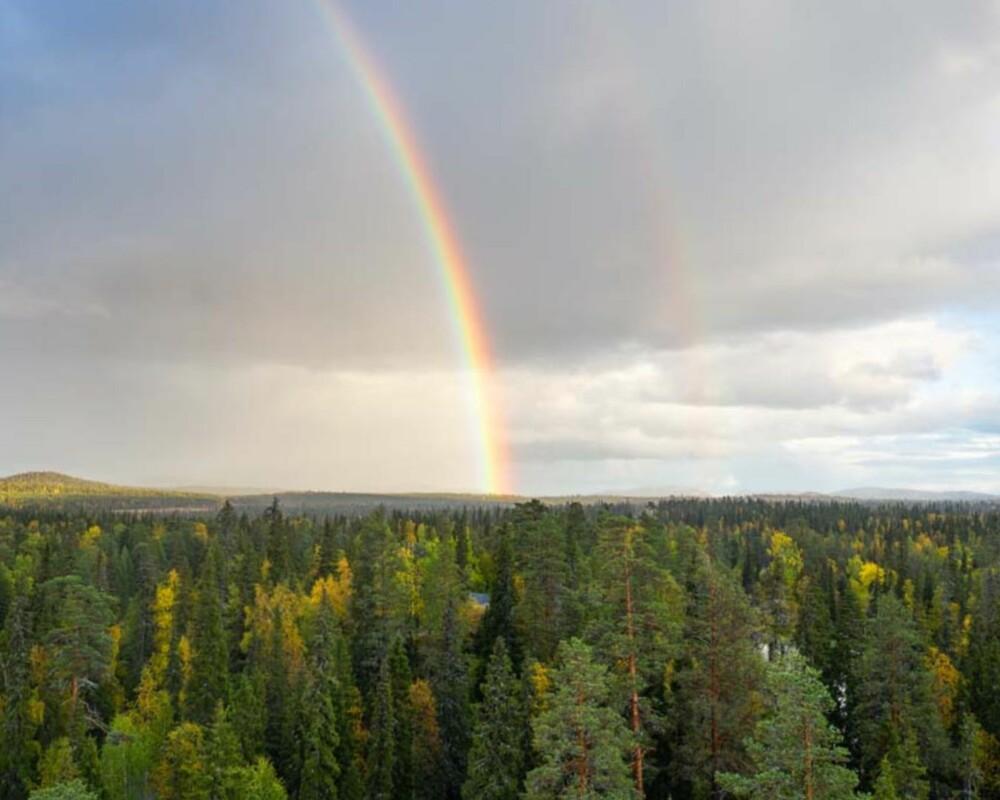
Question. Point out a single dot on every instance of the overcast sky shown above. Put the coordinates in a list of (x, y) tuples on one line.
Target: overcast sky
[(737, 246)]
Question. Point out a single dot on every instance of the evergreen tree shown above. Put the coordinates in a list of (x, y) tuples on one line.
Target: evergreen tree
[(720, 682), (582, 742), (182, 773), (206, 686), (636, 623), (79, 641), (279, 551), (496, 758), (450, 681), (399, 675), (894, 689), (71, 790), (223, 757), (320, 729), (795, 752), (20, 749), (542, 558), (498, 619), (382, 741), (260, 782)]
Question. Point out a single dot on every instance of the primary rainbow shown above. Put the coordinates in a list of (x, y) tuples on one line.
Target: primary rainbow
[(466, 314)]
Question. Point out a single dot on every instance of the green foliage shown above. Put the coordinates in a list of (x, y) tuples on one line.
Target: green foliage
[(70, 790), (581, 741), (794, 751), (182, 771), (349, 654), (320, 725), (382, 741), (496, 757), (126, 760), (260, 782)]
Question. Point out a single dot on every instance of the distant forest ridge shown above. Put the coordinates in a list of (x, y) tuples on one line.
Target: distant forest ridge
[(56, 490)]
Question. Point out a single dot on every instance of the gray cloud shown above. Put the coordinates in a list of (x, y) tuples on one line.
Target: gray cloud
[(698, 231)]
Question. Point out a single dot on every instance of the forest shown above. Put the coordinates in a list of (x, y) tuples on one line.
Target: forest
[(686, 649)]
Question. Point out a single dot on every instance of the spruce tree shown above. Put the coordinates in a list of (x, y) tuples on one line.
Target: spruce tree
[(400, 677), (210, 658), (451, 691), (319, 732), (382, 740), (894, 689), (496, 758)]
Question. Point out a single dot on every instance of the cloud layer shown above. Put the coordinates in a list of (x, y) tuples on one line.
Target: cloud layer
[(746, 247)]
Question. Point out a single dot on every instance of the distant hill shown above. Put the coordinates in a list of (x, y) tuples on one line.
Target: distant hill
[(59, 490), (915, 495), (55, 490)]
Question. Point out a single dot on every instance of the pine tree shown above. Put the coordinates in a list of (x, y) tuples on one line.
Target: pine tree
[(795, 752), (720, 682), (637, 623), (496, 758), (79, 641), (542, 558), (582, 742)]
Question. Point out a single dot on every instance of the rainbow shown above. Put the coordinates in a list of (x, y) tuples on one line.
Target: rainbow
[(466, 314)]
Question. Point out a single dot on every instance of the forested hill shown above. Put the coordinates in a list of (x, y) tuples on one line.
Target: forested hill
[(700, 649), (56, 490)]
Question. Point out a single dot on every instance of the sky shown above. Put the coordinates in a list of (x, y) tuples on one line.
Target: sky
[(728, 246)]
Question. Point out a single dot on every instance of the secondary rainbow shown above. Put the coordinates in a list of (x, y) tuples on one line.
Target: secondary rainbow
[(464, 307)]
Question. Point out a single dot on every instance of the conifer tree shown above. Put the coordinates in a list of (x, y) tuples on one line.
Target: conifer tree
[(382, 741), (498, 619), (20, 749), (496, 758), (206, 686), (542, 558), (582, 742), (182, 773), (223, 756), (320, 727), (348, 712), (894, 689), (720, 682), (79, 641), (794, 751), (636, 623), (450, 681), (400, 677)]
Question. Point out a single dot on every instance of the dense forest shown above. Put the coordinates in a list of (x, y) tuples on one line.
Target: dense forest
[(688, 649)]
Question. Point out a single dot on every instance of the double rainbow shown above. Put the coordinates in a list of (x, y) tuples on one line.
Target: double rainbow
[(466, 314)]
